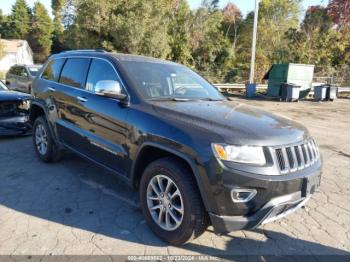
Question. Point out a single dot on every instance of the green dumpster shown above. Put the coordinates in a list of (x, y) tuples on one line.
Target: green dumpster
[(297, 74)]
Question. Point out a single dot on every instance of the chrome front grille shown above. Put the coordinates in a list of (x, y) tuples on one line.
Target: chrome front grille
[(295, 157)]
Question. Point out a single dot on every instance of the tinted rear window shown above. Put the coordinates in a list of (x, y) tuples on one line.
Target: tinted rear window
[(74, 72), (52, 71)]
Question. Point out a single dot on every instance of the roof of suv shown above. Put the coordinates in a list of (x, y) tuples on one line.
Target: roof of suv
[(23, 65), (119, 56)]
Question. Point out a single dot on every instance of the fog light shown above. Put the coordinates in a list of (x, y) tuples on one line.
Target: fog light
[(239, 195)]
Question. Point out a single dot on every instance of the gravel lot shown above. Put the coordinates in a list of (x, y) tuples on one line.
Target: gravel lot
[(73, 207)]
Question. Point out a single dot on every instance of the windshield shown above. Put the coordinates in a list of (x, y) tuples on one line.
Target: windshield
[(33, 70), (170, 81), (2, 86)]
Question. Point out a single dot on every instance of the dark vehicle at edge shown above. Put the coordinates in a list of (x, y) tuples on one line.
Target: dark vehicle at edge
[(14, 112), (195, 157)]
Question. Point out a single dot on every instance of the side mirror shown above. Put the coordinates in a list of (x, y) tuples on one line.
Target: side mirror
[(109, 88)]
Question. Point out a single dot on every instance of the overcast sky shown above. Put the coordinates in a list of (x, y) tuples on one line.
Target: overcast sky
[(244, 5)]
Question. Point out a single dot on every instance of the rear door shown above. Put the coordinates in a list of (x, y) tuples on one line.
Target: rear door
[(45, 86), (70, 98)]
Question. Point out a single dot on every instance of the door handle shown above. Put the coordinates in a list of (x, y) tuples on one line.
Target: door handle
[(82, 99), (52, 89)]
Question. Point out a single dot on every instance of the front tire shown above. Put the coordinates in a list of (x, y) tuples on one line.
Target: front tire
[(43, 143), (171, 202)]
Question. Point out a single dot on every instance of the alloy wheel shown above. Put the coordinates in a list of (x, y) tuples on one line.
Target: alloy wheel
[(165, 202), (41, 139)]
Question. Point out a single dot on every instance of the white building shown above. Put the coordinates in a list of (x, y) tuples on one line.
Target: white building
[(16, 52)]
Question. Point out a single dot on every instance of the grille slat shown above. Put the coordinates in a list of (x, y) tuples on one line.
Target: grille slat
[(309, 151), (280, 159), (305, 154), (315, 148), (290, 157), (285, 158), (296, 157), (295, 160), (301, 156)]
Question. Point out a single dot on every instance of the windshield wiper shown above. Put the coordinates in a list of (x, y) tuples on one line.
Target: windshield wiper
[(210, 99), (177, 99), (180, 99)]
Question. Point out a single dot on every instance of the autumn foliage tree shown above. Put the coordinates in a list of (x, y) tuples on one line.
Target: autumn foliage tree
[(33, 25), (57, 10), (40, 34), (133, 26), (339, 11), (19, 20), (232, 17), (179, 32), (314, 42)]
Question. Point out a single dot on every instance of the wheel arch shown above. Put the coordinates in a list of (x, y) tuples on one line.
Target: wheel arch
[(36, 110), (144, 157)]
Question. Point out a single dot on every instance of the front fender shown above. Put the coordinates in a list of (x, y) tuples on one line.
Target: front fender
[(200, 177)]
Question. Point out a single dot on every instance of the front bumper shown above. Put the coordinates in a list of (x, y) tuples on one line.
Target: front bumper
[(273, 210), (15, 125), (285, 197)]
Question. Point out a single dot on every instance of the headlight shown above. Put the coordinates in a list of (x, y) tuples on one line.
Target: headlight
[(240, 154), (25, 105)]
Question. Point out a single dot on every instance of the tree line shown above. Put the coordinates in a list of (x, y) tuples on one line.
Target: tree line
[(214, 41)]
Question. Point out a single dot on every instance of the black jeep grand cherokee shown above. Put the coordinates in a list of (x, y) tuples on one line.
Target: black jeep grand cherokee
[(195, 157)]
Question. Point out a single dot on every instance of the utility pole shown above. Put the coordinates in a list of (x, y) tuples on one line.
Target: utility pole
[(255, 30)]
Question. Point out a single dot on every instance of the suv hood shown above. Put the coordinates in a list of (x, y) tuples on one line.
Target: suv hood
[(236, 123), (13, 95)]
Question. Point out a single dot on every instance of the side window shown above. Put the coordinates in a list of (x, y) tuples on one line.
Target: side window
[(17, 71), (74, 72), (52, 70), (22, 72), (13, 70), (100, 70)]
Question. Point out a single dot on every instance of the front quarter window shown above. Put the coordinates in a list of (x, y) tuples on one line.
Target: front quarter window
[(100, 70)]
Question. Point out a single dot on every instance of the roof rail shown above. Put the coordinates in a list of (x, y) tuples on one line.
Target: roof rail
[(86, 50)]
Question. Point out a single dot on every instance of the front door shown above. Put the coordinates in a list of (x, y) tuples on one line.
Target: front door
[(104, 119), (11, 79), (22, 79)]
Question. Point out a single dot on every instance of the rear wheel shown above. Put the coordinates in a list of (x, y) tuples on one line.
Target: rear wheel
[(171, 203), (44, 145)]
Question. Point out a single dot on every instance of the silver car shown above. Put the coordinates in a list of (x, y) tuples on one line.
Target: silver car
[(20, 77)]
